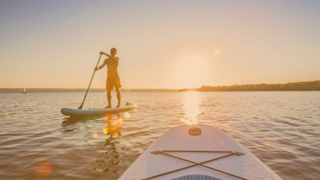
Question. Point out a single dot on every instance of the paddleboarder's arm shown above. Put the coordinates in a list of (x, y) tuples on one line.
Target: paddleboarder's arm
[(110, 57), (113, 58), (102, 65)]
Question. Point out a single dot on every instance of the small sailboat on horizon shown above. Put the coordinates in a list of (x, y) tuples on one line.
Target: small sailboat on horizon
[(24, 90)]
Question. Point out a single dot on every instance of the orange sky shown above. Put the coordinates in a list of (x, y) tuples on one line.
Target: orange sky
[(161, 44)]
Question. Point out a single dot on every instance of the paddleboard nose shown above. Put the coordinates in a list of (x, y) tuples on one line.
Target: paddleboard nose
[(194, 131)]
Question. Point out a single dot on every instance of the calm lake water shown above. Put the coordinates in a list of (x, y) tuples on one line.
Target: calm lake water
[(37, 141)]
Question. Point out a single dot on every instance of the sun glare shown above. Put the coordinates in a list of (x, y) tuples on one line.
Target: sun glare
[(191, 72), (105, 131), (217, 51), (191, 107)]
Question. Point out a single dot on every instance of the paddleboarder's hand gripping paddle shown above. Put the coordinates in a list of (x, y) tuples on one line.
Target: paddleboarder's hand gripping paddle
[(95, 69)]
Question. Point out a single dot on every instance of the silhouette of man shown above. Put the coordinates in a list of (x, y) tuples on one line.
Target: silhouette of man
[(113, 79)]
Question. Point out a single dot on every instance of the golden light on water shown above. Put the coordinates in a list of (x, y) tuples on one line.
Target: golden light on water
[(105, 131), (107, 117), (126, 115), (272, 144), (119, 119), (96, 135), (43, 170), (191, 107)]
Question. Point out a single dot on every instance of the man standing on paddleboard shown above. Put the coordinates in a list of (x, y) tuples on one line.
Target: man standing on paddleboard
[(113, 79)]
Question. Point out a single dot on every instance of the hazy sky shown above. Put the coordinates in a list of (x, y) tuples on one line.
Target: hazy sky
[(161, 44)]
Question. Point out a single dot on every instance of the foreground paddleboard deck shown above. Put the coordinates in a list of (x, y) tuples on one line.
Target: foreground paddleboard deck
[(180, 148), (95, 112)]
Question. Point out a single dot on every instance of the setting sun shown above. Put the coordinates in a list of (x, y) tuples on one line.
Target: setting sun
[(191, 72), (217, 51)]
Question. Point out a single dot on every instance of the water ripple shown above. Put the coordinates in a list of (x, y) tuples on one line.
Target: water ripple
[(280, 128)]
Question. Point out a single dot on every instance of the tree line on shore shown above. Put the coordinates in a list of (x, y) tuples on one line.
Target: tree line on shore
[(19, 90), (295, 86)]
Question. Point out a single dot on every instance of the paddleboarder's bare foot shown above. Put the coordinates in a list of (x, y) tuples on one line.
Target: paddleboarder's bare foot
[(118, 105), (109, 106)]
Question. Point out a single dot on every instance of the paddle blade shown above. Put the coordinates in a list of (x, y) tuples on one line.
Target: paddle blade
[(80, 107)]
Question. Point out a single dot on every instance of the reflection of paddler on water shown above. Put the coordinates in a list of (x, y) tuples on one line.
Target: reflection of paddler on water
[(112, 129), (113, 79), (110, 144), (106, 145), (102, 137)]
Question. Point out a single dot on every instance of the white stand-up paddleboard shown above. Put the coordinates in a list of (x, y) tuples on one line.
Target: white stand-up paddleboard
[(198, 152), (95, 112)]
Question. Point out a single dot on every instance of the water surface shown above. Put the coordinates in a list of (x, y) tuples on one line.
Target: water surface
[(37, 141)]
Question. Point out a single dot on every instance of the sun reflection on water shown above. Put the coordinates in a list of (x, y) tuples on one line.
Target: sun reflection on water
[(191, 106), (43, 170)]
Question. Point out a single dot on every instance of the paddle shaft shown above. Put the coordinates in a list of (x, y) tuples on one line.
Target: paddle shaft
[(80, 107)]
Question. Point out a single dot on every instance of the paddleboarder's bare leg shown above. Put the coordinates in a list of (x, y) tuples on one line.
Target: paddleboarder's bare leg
[(109, 98), (118, 96)]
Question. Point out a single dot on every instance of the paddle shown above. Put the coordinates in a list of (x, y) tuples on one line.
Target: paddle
[(80, 107)]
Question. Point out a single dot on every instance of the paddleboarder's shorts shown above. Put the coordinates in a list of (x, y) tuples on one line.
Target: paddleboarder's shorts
[(113, 81)]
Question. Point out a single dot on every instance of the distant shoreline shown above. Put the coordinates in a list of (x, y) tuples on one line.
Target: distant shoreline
[(19, 90), (34, 90), (295, 86)]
